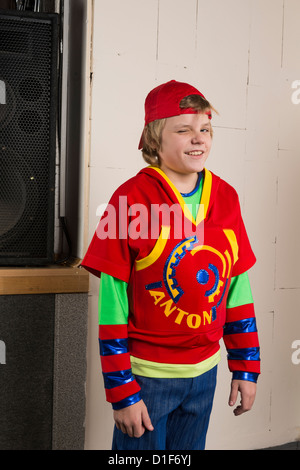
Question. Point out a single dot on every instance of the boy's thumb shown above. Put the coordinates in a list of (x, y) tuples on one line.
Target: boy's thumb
[(233, 394), (146, 420)]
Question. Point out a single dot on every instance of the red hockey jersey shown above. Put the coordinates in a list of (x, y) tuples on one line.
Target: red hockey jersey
[(178, 269)]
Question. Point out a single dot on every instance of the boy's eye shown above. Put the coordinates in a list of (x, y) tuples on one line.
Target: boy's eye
[(184, 131)]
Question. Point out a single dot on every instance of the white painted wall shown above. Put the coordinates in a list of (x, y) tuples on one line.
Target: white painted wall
[(244, 55)]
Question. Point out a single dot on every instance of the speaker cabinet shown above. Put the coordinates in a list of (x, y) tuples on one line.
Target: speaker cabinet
[(26, 391), (28, 115), (43, 380)]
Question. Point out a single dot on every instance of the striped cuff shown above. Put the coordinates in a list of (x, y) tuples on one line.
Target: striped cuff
[(119, 382), (128, 401), (242, 375)]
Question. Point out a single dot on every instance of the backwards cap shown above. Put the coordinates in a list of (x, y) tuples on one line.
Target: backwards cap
[(164, 101)]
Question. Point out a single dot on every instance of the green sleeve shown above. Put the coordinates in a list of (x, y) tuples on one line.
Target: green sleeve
[(239, 291), (113, 301)]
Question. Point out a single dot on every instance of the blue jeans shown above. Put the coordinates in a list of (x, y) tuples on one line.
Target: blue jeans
[(179, 410)]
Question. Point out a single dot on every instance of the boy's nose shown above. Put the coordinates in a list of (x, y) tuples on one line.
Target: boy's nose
[(197, 138)]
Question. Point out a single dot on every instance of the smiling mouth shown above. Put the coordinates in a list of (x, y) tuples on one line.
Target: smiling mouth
[(195, 153)]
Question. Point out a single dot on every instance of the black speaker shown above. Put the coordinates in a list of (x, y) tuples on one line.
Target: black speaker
[(26, 392), (28, 116)]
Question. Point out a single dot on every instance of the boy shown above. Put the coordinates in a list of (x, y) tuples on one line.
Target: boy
[(173, 282)]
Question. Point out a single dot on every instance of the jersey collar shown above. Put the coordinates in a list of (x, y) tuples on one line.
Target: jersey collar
[(205, 198)]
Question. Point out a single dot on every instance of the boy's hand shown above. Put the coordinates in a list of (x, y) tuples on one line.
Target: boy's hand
[(133, 420), (247, 390)]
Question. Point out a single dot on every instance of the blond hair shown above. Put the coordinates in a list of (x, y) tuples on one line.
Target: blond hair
[(152, 135)]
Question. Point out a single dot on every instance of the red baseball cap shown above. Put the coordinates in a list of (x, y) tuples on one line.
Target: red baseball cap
[(164, 101)]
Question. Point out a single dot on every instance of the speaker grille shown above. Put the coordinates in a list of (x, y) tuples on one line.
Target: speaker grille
[(28, 101)]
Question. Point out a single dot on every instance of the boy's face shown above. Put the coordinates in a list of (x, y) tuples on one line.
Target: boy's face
[(186, 143)]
